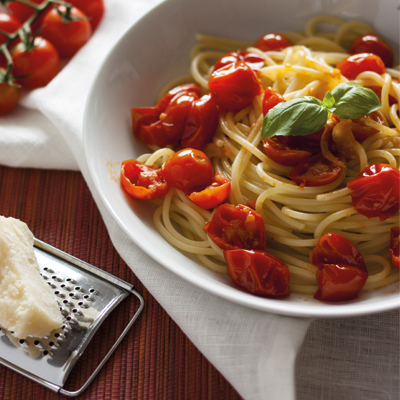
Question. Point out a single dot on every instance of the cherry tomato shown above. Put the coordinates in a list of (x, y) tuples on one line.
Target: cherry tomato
[(234, 86), (237, 227), (21, 11), (353, 65), (9, 96), (142, 181), (67, 36), (201, 123), (258, 272), (342, 271), (371, 43), (272, 42), (395, 246), (254, 61), (271, 99), (214, 194), (188, 170), (163, 124), (315, 171), (93, 9), (376, 191), (41, 63), (8, 24)]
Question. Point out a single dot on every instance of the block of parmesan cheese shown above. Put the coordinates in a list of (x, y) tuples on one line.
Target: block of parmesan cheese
[(27, 304)]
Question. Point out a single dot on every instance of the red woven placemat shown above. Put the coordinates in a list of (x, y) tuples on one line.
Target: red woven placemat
[(156, 360)]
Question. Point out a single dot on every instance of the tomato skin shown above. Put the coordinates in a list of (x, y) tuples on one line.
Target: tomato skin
[(141, 181), (258, 272), (237, 227), (201, 123), (67, 37), (42, 63), (271, 99), (9, 97), (342, 271), (188, 89), (353, 65), (234, 86), (21, 11), (315, 171), (188, 170), (214, 194), (375, 191), (395, 246), (8, 24), (93, 9), (272, 42), (254, 61), (371, 43)]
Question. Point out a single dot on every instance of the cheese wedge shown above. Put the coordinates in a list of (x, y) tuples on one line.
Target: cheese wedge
[(27, 304)]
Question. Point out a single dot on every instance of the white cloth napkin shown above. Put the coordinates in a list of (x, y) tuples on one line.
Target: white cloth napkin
[(255, 351)]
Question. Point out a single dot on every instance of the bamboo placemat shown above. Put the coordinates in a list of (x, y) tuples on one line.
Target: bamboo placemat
[(156, 360)]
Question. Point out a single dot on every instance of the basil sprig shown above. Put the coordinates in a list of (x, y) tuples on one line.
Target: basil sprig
[(306, 115)]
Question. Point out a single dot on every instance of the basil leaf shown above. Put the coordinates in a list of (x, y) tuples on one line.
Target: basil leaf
[(329, 101), (298, 117), (353, 101)]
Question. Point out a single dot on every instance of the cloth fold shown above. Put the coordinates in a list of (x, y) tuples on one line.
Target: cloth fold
[(254, 350)]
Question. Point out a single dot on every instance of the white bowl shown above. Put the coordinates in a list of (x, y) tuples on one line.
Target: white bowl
[(154, 51)]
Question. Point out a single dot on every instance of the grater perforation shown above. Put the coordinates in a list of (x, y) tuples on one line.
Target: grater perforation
[(86, 295)]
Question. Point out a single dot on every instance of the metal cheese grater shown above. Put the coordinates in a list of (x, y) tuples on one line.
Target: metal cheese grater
[(86, 296)]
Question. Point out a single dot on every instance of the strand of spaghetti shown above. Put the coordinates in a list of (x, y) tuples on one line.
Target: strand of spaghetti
[(301, 215), (279, 231), (334, 195), (289, 221), (321, 43), (311, 26), (295, 261), (299, 273), (381, 128), (185, 223), (304, 289), (268, 60), (194, 67), (221, 269), (358, 27), (385, 109), (219, 253), (296, 242), (204, 215), (380, 240), (386, 268), (373, 138), (394, 115), (162, 153), (333, 217), (383, 154)]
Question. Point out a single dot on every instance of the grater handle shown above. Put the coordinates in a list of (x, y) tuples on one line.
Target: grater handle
[(110, 352)]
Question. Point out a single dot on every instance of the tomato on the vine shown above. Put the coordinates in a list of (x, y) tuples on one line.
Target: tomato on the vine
[(40, 63), (258, 272), (375, 191), (342, 272), (200, 124), (9, 94), (93, 9), (237, 227), (371, 43), (353, 65), (272, 42), (315, 171), (21, 11), (395, 246), (234, 86), (8, 24), (142, 181), (253, 60), (212, 195), (188, 170), (67, 35)]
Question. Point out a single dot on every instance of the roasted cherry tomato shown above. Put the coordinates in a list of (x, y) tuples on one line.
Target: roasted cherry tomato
[(164, 124), (376, 191), (9, 95), (68, 36), (315, 171), (41, 63), (8, 24), (214, 194), (142, 181), (93, 9), (200, 124), (237, 227), (371, 43), (395, 246), (234, 87), (271, 99), (272, 42), (353, 65), (254, 61), (258, 272), (342, 271), (188, 170)]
